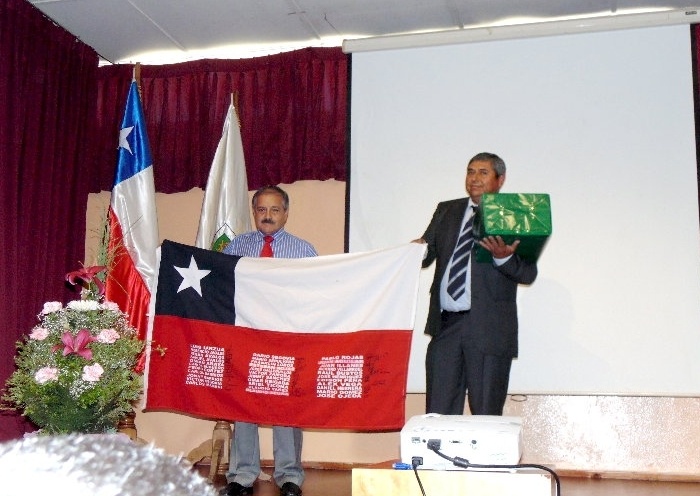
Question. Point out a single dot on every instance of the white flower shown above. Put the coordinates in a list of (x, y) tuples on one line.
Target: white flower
[(110, 305), (51, 306), (83, 305), (92, 373), (108, 336), (39, 333), (46, 374)]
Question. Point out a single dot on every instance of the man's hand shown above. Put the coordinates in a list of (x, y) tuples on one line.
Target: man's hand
[(419, 240), (497, 246)]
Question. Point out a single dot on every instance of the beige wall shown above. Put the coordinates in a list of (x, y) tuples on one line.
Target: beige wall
[(637, 437), (316, 213)]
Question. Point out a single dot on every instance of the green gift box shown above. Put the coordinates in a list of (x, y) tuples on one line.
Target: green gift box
[(523, 216)]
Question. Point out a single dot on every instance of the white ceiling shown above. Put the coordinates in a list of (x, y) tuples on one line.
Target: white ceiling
[(167, 31)]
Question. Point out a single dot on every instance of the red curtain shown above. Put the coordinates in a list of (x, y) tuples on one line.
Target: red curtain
[(59, 123), (292, 109), (47, 83)]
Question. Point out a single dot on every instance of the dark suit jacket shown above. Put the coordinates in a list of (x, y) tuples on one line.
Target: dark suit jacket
[(494, 314)]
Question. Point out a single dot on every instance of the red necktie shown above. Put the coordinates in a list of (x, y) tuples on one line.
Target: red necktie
[(267, 247)]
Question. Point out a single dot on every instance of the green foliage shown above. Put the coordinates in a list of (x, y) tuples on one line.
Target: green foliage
[(75, 370)]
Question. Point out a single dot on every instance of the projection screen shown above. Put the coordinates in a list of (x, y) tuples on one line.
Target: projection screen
[(603, 122)]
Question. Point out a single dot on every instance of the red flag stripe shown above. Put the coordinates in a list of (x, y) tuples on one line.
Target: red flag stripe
[(125, 285), (237, 373)]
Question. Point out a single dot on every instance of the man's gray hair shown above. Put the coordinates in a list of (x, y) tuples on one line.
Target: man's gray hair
[(497, 162), (95, 465), (271, 189)]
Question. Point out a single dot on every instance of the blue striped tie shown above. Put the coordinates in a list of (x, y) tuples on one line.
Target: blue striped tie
[(456, 283)]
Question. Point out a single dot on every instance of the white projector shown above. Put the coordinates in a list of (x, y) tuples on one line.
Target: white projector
[(480, 439)]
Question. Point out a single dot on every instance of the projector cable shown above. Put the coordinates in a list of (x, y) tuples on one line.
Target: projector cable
[(416, 461), (464, 463)]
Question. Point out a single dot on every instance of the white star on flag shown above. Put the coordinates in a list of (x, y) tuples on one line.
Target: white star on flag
[(123, 134), (192, 277)]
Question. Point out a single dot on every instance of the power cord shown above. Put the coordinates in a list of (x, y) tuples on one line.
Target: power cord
[(416, 462), (434, 445)]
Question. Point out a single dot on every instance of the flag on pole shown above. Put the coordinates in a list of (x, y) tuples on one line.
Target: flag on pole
[(225, 210), (318, 342), (133, 223)]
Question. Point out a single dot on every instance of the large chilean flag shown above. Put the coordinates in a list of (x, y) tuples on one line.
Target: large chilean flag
[(319, 342), (133, 222)]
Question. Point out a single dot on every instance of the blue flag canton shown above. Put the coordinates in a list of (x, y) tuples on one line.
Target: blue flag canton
[(134, 149), (216, 302)]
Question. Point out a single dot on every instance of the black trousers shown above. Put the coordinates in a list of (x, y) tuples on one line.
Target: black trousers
[(456, 368)]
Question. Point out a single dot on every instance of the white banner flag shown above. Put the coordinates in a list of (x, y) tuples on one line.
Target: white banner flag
[(225, 209)]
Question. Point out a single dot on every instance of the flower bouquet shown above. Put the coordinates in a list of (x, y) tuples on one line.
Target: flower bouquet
[(79, 369)]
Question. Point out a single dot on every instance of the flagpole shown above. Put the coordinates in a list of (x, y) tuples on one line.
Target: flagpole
[(225, 213), (127, 424), (234, 102), (136, 74), (221, 436)]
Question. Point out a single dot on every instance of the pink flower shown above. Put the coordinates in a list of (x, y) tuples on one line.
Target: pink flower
[(108, 336), (46, 374), (51, 306), (76, 344), (86, 276), (92, 373), (39, 333)]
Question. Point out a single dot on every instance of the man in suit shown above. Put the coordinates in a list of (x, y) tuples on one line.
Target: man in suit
[(472, 319)]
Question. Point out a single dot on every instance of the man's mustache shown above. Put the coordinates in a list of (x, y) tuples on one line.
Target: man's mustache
[(267, 221)]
